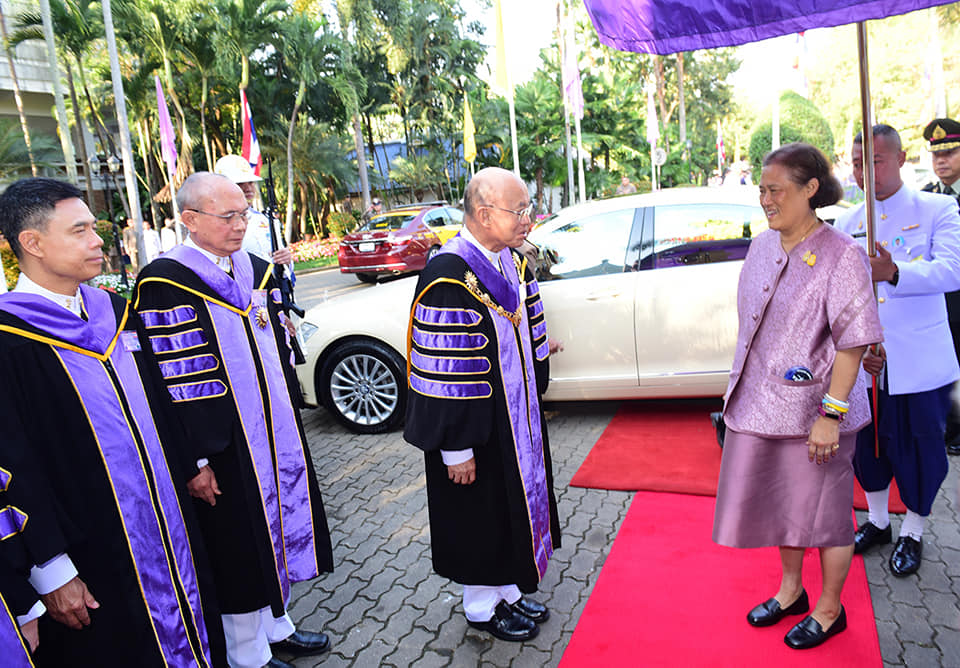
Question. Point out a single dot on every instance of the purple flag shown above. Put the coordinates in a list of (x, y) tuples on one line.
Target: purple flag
[(570, 72), (168, 145), (669, 26)]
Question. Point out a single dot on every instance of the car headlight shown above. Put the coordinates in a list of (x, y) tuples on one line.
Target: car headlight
[(307, 329)]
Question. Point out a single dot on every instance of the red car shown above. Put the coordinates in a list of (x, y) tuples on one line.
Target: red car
[(395, 242)]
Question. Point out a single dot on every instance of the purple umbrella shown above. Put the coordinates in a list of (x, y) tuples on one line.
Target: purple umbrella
[(669, 26)]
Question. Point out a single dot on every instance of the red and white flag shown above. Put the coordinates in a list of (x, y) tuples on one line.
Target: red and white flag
[(250, 149)]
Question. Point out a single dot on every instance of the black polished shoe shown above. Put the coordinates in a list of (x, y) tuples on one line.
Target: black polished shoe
[(537, 612), (808, 633), (869, 535), (769, 612), (953, 449), (507, 624), (277, 663), (303, 643), (905, 559)]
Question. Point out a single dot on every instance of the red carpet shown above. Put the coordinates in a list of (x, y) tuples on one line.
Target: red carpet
[(666, 446), (669, 596)]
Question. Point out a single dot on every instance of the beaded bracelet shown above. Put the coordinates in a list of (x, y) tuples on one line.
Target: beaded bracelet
[(833, 416)]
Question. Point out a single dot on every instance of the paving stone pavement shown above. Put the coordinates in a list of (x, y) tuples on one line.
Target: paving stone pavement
[(383, 606)]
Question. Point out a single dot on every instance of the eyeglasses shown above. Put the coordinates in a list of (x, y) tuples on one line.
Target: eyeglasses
[(525, 212), (228, 218)]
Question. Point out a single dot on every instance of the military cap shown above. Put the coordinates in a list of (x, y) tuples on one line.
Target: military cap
[(943, 134)]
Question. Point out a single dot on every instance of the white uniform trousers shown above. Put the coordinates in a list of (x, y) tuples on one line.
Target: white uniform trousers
[(249, 635), (479, 601)]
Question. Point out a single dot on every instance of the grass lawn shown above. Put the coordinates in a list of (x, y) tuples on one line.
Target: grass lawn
[(316, 264)]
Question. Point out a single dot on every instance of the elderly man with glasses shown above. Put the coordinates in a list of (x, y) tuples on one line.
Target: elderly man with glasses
[(478, 365), (211, 313)]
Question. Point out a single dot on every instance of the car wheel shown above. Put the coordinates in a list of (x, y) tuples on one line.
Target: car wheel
[(363, 384), (367, 278), (432, 253)]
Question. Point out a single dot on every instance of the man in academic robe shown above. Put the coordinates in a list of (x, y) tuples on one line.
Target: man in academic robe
[(211, 314), (477, 365), (943, 135), (20, 607), (93, 506), (917, 260)]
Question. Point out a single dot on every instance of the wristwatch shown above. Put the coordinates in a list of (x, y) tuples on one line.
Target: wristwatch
[(896, 275)]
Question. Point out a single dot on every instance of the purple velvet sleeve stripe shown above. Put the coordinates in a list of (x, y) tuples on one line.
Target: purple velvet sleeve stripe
[(539, 330), (276, 296), (194, 391), (169, 317), (543, 351), (455, 390), (533, 290), (535, 309), (5, 478), (168, 343), (12, 521), (452, 341), (188, 366), (430, 315), (449, 365)]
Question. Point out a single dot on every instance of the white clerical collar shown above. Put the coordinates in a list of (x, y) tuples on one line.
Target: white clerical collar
[(493, 256), (72, 303), (222, 262)]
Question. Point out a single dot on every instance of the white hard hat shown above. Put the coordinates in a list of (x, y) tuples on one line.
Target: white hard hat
[(235, 168)]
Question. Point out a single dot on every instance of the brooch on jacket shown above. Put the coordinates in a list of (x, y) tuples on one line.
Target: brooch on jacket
[(809, 258)]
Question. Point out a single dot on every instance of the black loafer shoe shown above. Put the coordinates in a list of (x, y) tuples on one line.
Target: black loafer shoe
[(808, 633), (953, 449), (905, 559), (769, 612), (869, 535), (507, 624), (303, 643), (277, 663), (531, 609)]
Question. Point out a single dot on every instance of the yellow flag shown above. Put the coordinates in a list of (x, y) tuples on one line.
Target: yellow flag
[(502, 79), (469, 144)]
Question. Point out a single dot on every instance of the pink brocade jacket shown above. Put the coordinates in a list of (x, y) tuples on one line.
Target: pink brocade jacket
[(798, 309)]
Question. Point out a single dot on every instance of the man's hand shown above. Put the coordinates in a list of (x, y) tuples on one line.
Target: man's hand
[(68, 604), (464, 473), (31, 633), (554, 345), (882, 265), (204, 486), (282, 256), (874, 359)]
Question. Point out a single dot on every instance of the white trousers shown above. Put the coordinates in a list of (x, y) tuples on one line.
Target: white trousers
[(249, 635), (479, 601)]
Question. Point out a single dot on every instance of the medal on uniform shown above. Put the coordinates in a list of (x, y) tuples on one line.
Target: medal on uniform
[(261, 317)]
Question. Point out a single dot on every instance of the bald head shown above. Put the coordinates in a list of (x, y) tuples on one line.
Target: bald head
[(199, 186), (490, 201), (215, 211)]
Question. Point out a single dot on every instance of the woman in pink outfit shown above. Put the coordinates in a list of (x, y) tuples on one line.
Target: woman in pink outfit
[(795, 400)]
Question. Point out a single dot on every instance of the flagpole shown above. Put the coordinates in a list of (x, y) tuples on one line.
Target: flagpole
[(513, 135), (562, 45)]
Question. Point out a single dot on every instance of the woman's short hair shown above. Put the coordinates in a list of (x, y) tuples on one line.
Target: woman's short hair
[(805, 162)]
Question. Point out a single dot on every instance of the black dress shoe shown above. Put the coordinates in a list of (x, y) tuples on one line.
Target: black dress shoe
[(277, 663), (905, 559), (303, 643), (769, 612), (720, 426), (953, 449), (808, 633), (869, 535), (507, 624), (531, 609)]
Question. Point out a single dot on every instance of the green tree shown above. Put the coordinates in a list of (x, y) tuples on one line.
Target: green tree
[(800, 120)]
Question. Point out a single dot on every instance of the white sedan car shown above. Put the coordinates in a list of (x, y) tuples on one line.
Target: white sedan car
[(641, 290)]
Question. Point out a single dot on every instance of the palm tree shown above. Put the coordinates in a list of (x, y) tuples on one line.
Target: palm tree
[(201, 56), (15, 159), (247, 25), (16, 92)]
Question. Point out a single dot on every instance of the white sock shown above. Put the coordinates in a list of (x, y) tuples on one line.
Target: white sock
[(878, 503), (912, 525)]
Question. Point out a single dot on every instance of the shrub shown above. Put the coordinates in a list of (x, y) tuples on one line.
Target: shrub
[(304, 251), (11, 268), (340, 223), (800, 120)]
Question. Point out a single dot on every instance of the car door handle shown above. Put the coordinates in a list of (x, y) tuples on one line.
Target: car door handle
[(602, 294)]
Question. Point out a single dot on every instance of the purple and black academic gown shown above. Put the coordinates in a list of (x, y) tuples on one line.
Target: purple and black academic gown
[(17, 597), (83, 419), (220, 346), (477, 364)]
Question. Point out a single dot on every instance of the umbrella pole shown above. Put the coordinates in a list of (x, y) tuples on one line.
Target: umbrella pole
[(869, 184)]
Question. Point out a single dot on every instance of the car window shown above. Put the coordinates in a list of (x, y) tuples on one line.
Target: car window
[(455, 215), (704, 233), (390, 222), (588, 246)]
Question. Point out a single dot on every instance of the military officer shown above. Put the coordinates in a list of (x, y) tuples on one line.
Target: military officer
[(943, 135), (917, 261)]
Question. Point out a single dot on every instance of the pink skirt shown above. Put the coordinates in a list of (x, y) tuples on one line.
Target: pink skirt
[(769, 493)]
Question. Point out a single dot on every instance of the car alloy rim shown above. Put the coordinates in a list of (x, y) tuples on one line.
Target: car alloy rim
[(364, 390)]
